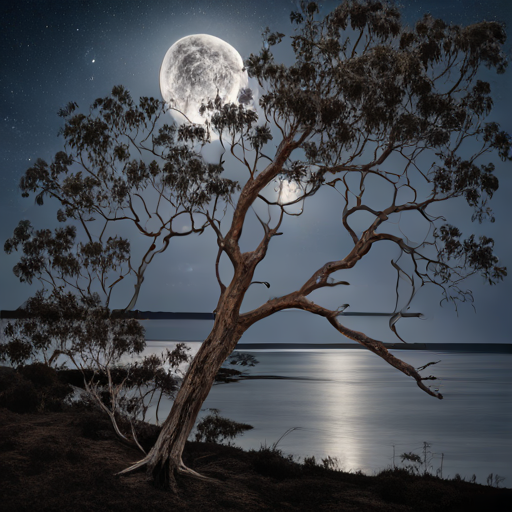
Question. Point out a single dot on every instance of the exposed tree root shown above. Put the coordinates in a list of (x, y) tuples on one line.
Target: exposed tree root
[(164, 476), (133, 467), (184, 470)]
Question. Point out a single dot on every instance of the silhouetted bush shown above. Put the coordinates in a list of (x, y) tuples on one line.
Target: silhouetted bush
[(147, 435), (271, 462), (495, 480), (33, 388), (216, 429), (310, 462), (22, 397), (331, 463), (41, 375), (226, 375), (74, 377), (7, 377), (61, 325), (53, 398), (325, 466), (242, 359)]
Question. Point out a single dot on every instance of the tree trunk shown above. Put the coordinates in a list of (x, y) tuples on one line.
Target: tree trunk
[(164, 460)]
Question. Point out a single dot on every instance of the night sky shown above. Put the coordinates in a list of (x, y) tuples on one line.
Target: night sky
[(54, 52)]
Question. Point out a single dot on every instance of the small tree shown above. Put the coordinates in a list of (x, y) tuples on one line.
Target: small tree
[(213, 428), (63, 325), (60, 328), (366, 103)]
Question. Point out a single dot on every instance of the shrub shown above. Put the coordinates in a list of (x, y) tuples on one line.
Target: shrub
[(22, 397), (242, 359), (53, 398), (97, 342), (216, 429), (41, 375), (422, 465), (34, 390), (310, 462), (147, 434), (7, 377), (494, 480), (331, 463), (272, 463)]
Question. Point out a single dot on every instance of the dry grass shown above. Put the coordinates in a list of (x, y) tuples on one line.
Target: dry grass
[(67, 461)]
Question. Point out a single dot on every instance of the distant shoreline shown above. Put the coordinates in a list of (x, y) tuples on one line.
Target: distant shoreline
[(492, 348), (479, 348)]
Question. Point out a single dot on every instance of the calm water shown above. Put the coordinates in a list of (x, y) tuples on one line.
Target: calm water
[(351, 405)]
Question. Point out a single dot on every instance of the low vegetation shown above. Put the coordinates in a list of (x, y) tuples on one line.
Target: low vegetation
[(65, 457), (33, 388), (213, 428), (87, 346)]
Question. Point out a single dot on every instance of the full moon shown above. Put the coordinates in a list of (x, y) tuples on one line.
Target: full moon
[(194, 69)]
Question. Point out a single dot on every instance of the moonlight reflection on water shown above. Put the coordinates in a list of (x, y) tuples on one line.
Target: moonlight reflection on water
[(351, 405)]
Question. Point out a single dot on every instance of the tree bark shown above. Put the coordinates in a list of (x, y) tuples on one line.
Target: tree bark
[(164, 461)]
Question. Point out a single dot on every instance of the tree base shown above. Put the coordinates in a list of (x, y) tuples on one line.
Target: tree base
[(164, 474)]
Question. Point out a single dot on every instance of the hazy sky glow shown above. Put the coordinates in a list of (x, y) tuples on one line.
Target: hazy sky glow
[(55, 52)]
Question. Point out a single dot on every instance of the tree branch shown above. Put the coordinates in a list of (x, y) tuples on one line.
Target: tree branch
[(297, 301)]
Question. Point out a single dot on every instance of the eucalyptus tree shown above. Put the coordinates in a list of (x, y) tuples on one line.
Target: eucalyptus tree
[(100, 186), (365, 102)]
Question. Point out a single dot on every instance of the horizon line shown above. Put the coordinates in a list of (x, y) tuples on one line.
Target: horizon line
[(169, 315)]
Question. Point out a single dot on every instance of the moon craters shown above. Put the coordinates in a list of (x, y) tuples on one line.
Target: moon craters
[(195, 68)]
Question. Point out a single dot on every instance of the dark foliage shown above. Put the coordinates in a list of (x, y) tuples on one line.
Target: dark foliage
[(94, 425), (404, 91), (7, 377), (225, 375), (21, 397), (62, 326), (216, 429), (39, 374), (34, 388), (242, 359), (272, 463)]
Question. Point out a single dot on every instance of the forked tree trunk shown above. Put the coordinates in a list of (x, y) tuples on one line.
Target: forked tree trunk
[(164, 460)]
